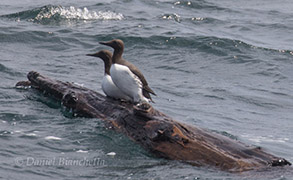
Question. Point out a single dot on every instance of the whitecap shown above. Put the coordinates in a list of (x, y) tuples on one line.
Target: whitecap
[(76, 13), (78, 84), (31, 134), (259, 139), (82, 151), (111, 154), (52, 138)]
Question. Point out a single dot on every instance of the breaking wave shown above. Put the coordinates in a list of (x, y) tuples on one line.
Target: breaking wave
[(49, 14), (76, 13)]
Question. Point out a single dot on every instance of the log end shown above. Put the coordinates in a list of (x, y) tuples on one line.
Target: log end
[(21, 84), (279, 162), (32, 75)]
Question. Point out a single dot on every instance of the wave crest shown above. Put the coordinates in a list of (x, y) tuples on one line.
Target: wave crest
[(53, 14), (76, 13)]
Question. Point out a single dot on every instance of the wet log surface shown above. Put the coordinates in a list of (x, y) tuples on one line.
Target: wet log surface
[(155, 131)]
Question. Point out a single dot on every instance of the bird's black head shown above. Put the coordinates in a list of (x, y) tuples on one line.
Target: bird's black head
[(105, 55), (116, 44)]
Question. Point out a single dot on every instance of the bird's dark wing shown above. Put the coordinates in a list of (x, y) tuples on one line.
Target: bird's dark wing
[(147, 95), (136, 71)]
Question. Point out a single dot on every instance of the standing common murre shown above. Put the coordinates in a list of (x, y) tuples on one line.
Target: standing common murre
[(108, 87), (126, 76)]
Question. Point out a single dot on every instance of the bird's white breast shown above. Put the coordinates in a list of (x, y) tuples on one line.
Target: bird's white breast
[(127, 82), (111, 90)]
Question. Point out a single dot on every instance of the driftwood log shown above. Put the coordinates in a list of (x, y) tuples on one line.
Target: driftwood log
[(155, 131)]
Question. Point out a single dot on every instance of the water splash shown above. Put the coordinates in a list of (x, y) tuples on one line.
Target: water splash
[(270, 138), (52, 12), (173, 16), (52, 138)]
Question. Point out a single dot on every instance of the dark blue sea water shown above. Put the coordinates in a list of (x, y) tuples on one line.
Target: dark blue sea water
[(222, 65)]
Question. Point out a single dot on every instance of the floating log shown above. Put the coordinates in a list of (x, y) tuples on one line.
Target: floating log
[(155, 131)]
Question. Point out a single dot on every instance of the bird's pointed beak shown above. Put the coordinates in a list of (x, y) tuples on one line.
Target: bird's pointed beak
[(90, 54), (107, 43)]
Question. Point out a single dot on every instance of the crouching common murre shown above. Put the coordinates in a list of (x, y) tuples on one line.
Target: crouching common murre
[(108, 87), (126, 76)]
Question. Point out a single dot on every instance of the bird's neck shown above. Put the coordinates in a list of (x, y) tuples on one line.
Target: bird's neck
[(117, 56), (107, 69)]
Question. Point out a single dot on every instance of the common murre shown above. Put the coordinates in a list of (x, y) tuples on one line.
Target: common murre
[(108, 87), (126, 76)]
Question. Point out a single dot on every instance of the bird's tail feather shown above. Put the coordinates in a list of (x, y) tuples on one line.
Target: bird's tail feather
[(149, 90)]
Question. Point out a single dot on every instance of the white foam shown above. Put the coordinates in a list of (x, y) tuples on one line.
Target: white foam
[(52, 138), (259, 139), (111, 154), (78, 84), (31, 134), (23, 87), (77, 13), (82, 151)]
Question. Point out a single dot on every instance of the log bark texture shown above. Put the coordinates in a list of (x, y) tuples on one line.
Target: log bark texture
[(155, 131)]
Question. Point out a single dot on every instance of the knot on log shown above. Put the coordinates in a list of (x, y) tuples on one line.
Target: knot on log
[(178, 134), (158, 131), (161, 135), (279, 162), (144, 110), (69, 99)]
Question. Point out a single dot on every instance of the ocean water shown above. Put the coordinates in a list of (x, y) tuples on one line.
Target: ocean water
[(222, 65)]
